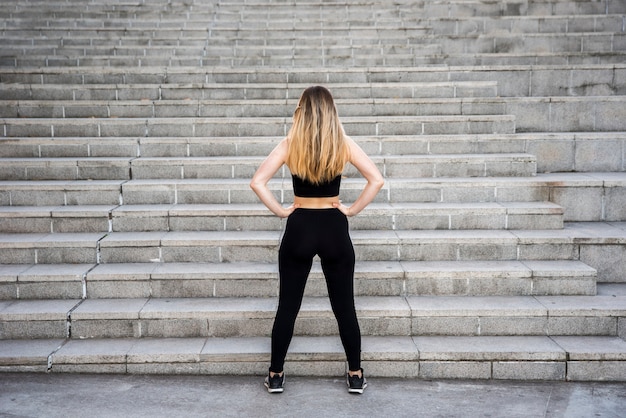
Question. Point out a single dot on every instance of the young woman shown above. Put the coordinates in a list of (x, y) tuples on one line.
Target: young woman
[(316, 151)]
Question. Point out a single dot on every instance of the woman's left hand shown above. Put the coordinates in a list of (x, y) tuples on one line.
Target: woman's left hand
[(343, 208)]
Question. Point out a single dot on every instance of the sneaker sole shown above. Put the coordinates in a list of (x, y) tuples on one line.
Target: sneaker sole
[(277, 390), (357, 391), (274, 390)]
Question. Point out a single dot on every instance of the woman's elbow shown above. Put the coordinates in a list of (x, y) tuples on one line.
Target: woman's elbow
[(378, 182), (255, 185)]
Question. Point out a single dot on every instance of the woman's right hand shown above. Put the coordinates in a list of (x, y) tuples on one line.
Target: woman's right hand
[(288, 211)]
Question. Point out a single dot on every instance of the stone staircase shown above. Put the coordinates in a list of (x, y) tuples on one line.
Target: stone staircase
[(130, 241)]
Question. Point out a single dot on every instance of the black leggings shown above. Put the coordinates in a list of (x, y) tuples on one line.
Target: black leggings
[(309, 232)]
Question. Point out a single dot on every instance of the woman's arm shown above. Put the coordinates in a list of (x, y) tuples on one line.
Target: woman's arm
[(368, 169), (264, 173)]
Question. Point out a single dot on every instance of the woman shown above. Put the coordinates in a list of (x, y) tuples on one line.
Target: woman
[(316, 151)]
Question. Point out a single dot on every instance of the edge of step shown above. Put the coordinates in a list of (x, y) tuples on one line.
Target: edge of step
[(532, 358)]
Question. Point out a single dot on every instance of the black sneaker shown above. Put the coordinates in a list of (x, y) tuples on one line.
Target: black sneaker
[(275, 384), (357, 384)]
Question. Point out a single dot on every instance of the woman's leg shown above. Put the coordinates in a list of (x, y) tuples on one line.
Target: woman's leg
[(337, 256), (295, 258)]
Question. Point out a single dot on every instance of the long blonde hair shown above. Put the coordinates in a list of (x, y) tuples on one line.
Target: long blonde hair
[(318, 151)]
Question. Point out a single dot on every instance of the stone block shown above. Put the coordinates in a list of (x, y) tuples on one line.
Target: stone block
[(25, 225), (495, 251), (517, 325), (27, 355), (550, 82), (105, 328), (573, 115), (67, 254), (450, 325), (588, 82), (531, 115), (242, 328), (137, 193), (529, 370), (608, 260), (615, 203), (428, 251), (105, 195), (174, 328), (596, 371), (541, 251), (93, 356), (102, 289), (543, 286), (580, 325), (528, 193), (454, 369), (33, 329), (598, 155)]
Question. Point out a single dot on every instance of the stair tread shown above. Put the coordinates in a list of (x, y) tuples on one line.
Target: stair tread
[(576, 179), (243, 270), (316, 307), (251, 209), (587, 232), (401, 348)]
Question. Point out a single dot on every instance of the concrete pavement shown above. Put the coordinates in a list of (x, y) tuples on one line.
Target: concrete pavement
[(73, 395)]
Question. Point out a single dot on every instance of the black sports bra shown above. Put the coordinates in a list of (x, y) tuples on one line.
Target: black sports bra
[(303, 188)]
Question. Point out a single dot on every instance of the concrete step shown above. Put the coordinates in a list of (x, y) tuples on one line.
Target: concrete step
[(38, 94), (564, 23), (246, 126), (571, 358), (250, 217), (206, 280), (101, 94), (242, 108), (450, 8), (346, 19), (413, 57), (341, 8), (584, 196), (597, 315), (517, 81), (360, 117), (331, 37), (555, 152), (587, 242), (123, 168)]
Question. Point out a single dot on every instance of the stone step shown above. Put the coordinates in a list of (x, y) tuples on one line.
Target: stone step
[(368, 8), (517, 81), (599, 315), (206, 280), (543, 7), (391, 56), (360, 117), (250, 217), (248, 126), (578, 22), (120, 37), (66, 94), (417, 56), (244, 108), (313, 21), (563, 152), (332, 42), (588, 242), (123, 168), (584, 196), (571, 358)]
